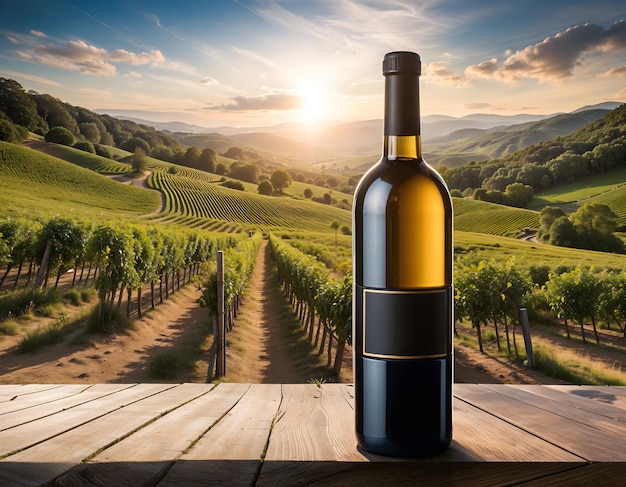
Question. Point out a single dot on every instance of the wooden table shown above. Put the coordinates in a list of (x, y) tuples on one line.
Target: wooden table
[(300, 434)]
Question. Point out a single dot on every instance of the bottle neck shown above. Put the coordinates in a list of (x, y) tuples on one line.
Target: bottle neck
[(402, 117)]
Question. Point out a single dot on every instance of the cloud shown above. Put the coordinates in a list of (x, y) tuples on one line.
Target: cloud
[(88, 59), (621, 71), (554, 59), (38, 33), (438, 72), (207, 80), (30, 77), (271, 101)]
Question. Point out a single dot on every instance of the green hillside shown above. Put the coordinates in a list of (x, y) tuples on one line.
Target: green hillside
[(457, 147), (207, 204), (492, 219), (469, 245), (34, 184)]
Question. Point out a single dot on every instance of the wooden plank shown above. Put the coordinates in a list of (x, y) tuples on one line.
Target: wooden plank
[(483, 461), (586, 402), (45, 396), (143, 457), (16, 418), (9, 392), (614, 395), (314, 424), (403, 474), (33, 432), (593, 474), (537, 418), (549, 402), (230, 453)]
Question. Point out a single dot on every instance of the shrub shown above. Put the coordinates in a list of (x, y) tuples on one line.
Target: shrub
[(98, 323), (164, 364), (85, 145), (60, 135)]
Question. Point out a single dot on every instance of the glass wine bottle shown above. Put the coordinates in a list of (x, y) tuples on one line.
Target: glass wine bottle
[(402, 297)]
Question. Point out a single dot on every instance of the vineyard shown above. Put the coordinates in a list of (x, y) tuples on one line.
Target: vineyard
[(44, 186), (310, 245), (202, 202), (488, 218)]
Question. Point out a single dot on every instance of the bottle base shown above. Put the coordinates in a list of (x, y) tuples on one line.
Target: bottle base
[(386, 448)]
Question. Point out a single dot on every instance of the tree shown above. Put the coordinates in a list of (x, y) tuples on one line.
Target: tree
[(9, 132), (308, 193), (60, 135), (91, 131), (245, 172), (335, 226), (18, 106), (235, 153), (519, 194), (140, 162), (547, 216), (265, 187), (86, 146), (191, 157), (563, 233), (207, 160), (280, 180), (475, 298), (55, 112), (131, 144), (594, 217)]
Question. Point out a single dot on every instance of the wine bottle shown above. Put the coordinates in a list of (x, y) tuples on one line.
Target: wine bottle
[(402, 296)]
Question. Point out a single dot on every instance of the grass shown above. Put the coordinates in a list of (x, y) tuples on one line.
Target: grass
[(34, 184), (587, 188), (470, 245), (29, 300), (569, 365), (165, 364)]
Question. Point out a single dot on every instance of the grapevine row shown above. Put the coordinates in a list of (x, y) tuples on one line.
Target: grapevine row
[(124, 257), (197, 198), (314, 293), (239, 264)]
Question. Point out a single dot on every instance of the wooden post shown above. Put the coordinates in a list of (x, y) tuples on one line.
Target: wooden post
[(527, 340), (220, 337), (44, 265)]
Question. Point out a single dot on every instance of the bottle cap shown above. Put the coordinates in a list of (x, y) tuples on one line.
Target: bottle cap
[(402, 62)]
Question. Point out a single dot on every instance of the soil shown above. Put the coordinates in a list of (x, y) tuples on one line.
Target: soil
[(260, 348)]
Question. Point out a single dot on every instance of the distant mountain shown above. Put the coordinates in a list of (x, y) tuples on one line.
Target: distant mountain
[(365, 137), (467, 144)]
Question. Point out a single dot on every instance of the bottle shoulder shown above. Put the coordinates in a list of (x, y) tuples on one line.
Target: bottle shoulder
[(397, 176)]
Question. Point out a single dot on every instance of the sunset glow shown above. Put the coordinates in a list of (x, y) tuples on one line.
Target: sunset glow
[(263, 62)]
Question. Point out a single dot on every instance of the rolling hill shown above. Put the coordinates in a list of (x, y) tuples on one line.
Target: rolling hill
[(473, 144), (34, 184)]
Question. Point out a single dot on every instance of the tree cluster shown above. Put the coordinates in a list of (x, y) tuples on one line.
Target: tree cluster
[(591, 227), (597, 148), (493, 293)]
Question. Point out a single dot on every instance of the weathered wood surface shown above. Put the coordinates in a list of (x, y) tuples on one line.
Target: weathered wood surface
[(299, 434)]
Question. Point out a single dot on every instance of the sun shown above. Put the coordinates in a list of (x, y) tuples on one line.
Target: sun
[(314, 101)]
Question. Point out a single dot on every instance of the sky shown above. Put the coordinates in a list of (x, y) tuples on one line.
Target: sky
[(265, 62)]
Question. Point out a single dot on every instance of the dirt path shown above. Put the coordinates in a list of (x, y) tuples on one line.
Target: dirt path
[(259, 348), (267, 345)]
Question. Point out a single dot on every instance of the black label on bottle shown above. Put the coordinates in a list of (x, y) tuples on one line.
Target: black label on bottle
[(405, 324)]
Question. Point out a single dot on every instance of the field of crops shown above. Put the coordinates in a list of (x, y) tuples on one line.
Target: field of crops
[(492, 219), (81, 158), (191, 199), (34, 184), (469, 245)]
